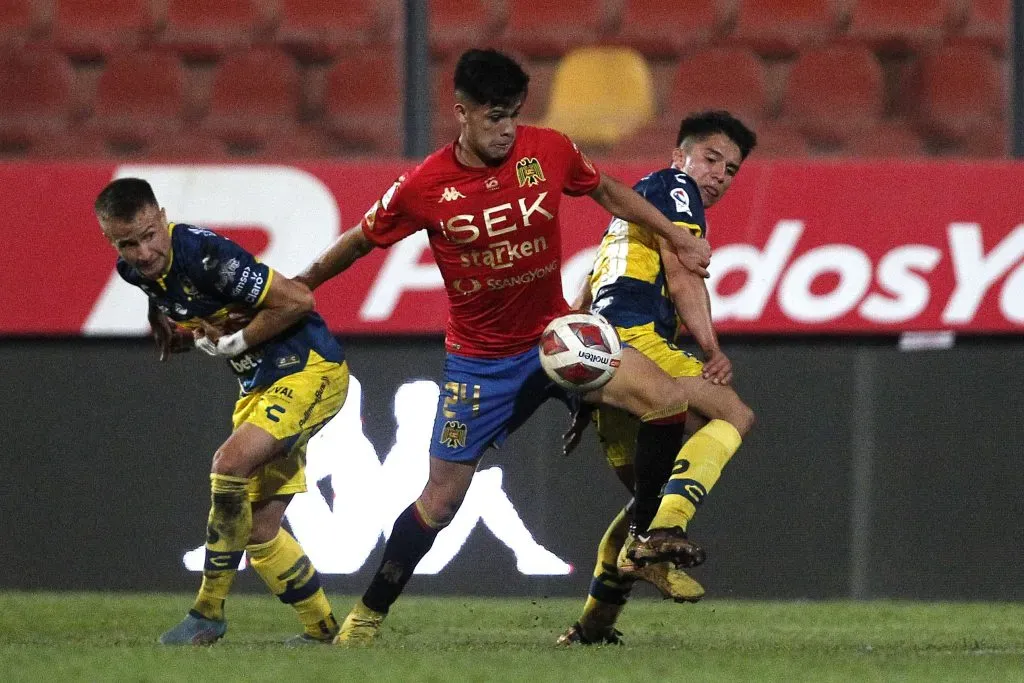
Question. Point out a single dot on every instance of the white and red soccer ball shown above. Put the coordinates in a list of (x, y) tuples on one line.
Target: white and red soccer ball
[(580, 351)]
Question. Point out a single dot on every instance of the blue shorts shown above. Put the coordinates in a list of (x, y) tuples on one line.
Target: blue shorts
[(483, 400)]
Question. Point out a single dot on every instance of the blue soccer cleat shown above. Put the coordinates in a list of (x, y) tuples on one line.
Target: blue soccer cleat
[(195, 629)]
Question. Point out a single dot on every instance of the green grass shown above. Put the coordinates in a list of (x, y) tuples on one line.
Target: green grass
[(101, 637)]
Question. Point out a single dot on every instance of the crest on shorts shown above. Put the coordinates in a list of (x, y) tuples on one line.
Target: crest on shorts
[(529, 172), (453, 435)]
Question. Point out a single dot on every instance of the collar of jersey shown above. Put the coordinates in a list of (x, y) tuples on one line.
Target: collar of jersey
[(170, 257)]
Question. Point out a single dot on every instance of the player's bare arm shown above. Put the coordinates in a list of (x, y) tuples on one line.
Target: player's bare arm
[(624, 202), (286, 303), (693, 305), (346, 250)]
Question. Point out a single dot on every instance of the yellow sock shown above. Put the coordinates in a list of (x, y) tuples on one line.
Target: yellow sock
[(608, 590), (289, 575), (696, 469), (227, 532)]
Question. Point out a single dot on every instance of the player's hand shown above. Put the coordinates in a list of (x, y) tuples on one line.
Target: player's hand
[(579, 420), (169, 339), (693, 252), (204, 343), (717, 368)]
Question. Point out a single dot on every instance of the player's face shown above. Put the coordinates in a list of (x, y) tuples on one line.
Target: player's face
[(712, 162), (488, 131), (143, 242)]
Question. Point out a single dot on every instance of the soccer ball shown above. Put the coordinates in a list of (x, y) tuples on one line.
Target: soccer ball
[(580, 351)]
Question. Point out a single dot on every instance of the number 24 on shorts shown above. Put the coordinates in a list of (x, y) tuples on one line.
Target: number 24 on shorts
[(460, 392)]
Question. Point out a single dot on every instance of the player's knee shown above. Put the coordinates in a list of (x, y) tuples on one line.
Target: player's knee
[(263, 531), (439, 505), (230, 463)]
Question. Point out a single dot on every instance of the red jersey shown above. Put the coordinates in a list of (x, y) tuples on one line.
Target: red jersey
[(495, 236)]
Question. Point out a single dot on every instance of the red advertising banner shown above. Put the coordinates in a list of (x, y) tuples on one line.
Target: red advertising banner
[(799, 247)]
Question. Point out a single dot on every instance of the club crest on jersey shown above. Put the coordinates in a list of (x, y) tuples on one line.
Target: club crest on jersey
[(453, 435), (187, 287), (529, 172), (682, 200)]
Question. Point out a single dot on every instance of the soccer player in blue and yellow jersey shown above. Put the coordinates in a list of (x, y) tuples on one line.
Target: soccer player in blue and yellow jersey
[(647, 296), (293, 379)]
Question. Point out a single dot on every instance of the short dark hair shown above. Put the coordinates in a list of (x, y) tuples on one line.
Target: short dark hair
[(491, 78), (123, 198), (705, 123)]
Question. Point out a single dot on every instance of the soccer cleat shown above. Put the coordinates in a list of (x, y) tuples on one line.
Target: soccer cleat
[(304, 639), (195, 629), (574, 635), (672, 583), (666, 544), (360, 627)]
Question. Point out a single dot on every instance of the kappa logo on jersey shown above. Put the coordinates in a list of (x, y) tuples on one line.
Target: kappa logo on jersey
[(450, 194), (454, 434), (529, 172), (682, 201)]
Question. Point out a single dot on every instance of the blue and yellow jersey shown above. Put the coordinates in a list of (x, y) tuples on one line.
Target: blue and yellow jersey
[(210, 278), (628, 282)]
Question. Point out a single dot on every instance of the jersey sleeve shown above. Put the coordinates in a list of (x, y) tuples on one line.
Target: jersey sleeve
[(391, 218), (581, 176), (676, 195), (228, 271)]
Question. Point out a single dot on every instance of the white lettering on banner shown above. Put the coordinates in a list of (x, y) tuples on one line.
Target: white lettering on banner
[(897, 275), (401, 272), (296, 209), (1011, 301), (851, 265), (369, 495), (974, 272), (763, 269)]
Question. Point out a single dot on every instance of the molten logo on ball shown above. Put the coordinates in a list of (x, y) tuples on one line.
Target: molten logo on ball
[(580, 351)]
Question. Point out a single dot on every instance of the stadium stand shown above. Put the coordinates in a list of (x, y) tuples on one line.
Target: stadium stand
[(140, 97), (206, 29), (888, 139), (781, 28), (670, 29), (550, 28), (719, 78), (601, 94), (364, 113), (457, 25), (903, 26), (20, 22), (91, 29), (312, 34), (959, 92), (987, 23), (43, 81)]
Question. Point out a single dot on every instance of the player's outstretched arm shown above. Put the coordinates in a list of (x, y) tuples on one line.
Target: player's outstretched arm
[(693, 304), (346, 250), (286, 302), (622, 201)]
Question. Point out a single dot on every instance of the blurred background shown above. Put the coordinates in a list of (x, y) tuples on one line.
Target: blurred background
[(868, 278)]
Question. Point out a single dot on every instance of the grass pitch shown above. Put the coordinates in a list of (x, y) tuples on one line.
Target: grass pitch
[(105, 637)]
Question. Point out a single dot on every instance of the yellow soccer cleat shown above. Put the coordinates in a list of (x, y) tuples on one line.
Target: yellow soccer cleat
[(360, 627), (671, 582)]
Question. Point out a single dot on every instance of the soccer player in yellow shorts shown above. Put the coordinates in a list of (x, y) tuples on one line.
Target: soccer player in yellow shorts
[(292, 375), (646, 294)]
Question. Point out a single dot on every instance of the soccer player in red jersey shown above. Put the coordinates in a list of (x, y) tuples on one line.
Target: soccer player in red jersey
[(489, 202)]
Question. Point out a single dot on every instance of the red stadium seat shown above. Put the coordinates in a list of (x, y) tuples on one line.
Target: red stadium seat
[(445, 127), (310, 32), (834, 94), (363, 103), (985, 142), (888, 139), (139, 96), (20, 21), (959, 90), (653, 142), (43, 82), (209, 28), (187, 146), (255, 96), (988, 23), (779, 140), (781, 28), (457, 25), (88, 29), (719, 78), (902, 26), (548, 28), (657, 28)]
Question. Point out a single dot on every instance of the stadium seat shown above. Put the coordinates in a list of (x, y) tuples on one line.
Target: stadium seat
[(887, 139), (311, 33), (139, 96), (43, 82), (20, 21), (255, 95), (834, 94), (989, 141), (363, 103), (206, 29), (652, 143), (186, 146), (549, 28), (658, 28), (902, 26), (959, 90), (445, 127), (719, 78), (988, 23), (779, 140), (781, 28), (601, 94), (90, 29), (457, 25)]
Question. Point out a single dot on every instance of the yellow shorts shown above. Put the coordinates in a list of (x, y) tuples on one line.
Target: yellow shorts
[(292, 409), (616, 428)]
